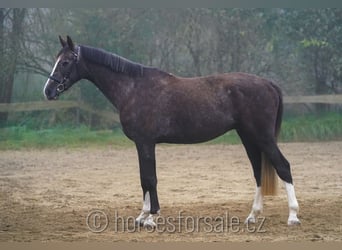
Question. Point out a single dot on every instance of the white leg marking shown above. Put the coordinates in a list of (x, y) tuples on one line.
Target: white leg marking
[(256, 208), (141, 218), (149, 221), (293, 205), (145, 213), (147, 202)]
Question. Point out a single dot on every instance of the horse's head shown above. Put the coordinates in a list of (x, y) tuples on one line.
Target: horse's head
[(64, 74)]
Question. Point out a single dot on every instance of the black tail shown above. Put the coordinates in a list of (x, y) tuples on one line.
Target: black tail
[(280, 110)]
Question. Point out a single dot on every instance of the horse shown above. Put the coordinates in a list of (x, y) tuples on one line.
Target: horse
[(158, 107)]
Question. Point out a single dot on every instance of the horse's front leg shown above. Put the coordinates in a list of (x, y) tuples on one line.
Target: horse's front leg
[(148, 178)]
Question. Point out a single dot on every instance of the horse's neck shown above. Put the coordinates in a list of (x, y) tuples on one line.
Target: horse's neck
[(115, 86)]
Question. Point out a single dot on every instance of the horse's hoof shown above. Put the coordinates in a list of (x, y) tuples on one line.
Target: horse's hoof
[(250, 220), (293, 222), (149, 222), (140, 220)]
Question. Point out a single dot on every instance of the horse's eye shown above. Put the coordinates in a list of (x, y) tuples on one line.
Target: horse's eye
[(65, 63)]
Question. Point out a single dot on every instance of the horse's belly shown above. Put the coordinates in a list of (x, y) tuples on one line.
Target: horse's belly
[(195, 131)]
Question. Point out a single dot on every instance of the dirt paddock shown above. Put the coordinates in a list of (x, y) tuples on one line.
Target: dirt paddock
[(205, 192)]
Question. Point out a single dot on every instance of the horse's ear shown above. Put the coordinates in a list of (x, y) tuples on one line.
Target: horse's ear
[(62, 41), (70, 43)]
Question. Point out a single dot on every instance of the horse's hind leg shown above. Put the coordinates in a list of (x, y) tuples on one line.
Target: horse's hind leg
[(254, 155), (282, 167)]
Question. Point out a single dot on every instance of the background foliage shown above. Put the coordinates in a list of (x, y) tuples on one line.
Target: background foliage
[(301, 50)]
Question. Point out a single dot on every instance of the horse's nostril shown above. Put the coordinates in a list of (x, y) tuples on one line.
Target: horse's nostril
[(47, 93)]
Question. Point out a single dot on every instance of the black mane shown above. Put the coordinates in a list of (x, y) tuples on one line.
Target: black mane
[(112, 61)]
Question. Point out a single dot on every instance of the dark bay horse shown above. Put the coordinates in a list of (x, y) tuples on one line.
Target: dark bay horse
[(158, 107)]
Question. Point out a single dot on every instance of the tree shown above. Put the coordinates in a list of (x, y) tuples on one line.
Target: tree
[(11, 33), (299, 49), (317, 34)]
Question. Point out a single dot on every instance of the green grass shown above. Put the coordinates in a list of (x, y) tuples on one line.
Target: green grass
[(309, 128), (306, 128), (231, 137), (21, 137)]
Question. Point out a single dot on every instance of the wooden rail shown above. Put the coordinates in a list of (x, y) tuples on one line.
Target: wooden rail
[(111, 116), (55, 105), (328, 99), (34, 106)]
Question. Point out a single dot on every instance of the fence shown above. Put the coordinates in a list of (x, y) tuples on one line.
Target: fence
[(324, 99), (113, 117), (56, 105)]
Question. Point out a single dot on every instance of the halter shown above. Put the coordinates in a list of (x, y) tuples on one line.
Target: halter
[(61, 86)]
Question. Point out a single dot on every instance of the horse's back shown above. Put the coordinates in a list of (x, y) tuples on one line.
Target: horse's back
[(236, 91)]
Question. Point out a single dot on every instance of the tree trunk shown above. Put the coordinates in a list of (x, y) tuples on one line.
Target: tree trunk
[(3, 116), (10, 49), (320, 83)]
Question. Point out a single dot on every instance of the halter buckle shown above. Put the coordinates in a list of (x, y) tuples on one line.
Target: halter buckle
[(60, 88)]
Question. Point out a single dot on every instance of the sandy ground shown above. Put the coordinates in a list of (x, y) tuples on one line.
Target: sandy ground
[(205, 192)]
